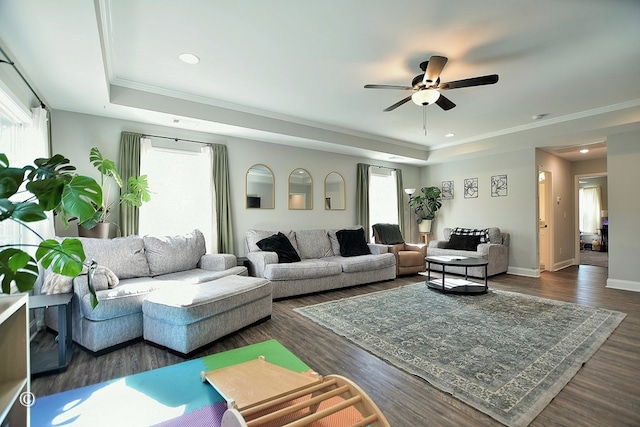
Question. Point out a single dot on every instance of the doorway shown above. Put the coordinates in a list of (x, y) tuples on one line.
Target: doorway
[(545, 221), (593, 220)]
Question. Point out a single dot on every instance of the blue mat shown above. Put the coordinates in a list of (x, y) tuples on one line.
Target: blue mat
[(169, 396)]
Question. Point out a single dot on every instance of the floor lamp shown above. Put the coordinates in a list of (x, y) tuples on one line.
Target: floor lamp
[(410, 192)]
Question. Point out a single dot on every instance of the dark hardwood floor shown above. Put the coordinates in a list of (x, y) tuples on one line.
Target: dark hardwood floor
[(605, 392)]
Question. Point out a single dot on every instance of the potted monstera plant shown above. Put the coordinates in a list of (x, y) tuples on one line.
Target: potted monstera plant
[(136, 191), (26, 193), (426, 205)]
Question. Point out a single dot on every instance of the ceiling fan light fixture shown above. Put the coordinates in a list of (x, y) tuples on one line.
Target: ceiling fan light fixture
[(425, 97)]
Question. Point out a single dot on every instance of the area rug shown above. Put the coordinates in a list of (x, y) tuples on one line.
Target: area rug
[(600, 259), (504, 353), (167, 397)]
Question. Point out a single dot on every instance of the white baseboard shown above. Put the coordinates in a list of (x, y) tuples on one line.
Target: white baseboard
[(564, 264), (519, 271), (625, 285)]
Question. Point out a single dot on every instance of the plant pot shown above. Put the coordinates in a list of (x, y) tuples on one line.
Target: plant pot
[(425, 226), (100, 231)]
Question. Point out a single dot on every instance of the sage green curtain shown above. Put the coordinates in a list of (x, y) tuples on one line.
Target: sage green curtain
[(128, 166), (362, 198), (223, 199), (400, 192)]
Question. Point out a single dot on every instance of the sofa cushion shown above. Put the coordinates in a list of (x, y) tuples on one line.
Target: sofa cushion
[(362, 263), (280, 244), (462, 242), (124, 256), (352, 242), (199, 275), (124, 299), (333, 238), (313, 244), (306, 269), (174, 253), (252, 237)]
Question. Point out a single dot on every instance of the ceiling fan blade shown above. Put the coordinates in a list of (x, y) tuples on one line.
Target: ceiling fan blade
[(397, 104), (388, 87), (434, 68), (474, 81), (445, 103)]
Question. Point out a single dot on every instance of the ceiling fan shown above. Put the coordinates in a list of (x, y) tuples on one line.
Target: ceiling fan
[(426, 87)]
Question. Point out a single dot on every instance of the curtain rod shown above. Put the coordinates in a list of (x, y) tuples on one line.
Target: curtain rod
[(10, 62), (178, 139)]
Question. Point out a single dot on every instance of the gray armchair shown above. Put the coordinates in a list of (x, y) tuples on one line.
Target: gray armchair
[(495, 250)]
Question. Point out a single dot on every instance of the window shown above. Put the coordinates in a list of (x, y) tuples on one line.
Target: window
[(180, 181), (23, 138), (590, 207), (383, 196)]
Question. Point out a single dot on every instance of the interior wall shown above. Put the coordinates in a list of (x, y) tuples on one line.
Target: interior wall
[(623, 173), (516, 213), (562, 209), (74, 134)]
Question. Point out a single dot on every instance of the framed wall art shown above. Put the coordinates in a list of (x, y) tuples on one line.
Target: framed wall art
[(499, 186), (447, 190), (471, 188)]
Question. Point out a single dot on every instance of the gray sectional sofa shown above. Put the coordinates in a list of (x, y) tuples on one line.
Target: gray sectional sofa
[(494, 247), (321, 267), (144, 265)]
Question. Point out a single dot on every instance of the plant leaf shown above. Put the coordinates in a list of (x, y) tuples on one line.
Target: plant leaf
[(18, 267), (80, 198), (10, 181), (105, 166), (48, 191), (28, 212), (65, 258)]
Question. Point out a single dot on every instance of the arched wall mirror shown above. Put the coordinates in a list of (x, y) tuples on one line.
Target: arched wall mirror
[(259, 188), (334, 192), (300, 190)]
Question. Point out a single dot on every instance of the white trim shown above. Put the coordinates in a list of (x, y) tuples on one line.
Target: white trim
[(625, 285), (11, 108), (527, 272)]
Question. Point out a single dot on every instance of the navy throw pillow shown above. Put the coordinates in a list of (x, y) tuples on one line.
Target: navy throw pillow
[(464, 243), (280, 244), (352, 242)]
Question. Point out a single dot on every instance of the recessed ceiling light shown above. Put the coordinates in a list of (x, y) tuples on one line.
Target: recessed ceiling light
[(189, 58), (584, 150), (449, 135)]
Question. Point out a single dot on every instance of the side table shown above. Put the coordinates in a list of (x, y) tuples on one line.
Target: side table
[(54, 360)]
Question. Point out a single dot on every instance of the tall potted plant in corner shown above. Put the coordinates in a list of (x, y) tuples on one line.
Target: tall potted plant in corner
[(426, 205), (26, 193), (136, 192)]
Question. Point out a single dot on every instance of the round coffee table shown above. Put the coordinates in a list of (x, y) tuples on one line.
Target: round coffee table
[(458, 286)]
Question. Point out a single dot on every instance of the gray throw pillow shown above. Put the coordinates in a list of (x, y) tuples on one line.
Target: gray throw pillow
[(170, 254)]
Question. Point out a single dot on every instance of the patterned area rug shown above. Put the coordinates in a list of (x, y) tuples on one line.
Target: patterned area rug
[(505, 354)]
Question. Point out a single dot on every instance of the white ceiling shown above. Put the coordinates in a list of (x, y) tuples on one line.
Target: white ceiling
[(292, 72)]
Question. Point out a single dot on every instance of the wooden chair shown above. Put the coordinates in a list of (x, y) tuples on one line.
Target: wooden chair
[(260, 394)]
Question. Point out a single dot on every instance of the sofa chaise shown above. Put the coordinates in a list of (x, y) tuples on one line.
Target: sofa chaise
[(200, 297), (320, 262), (488, 243)]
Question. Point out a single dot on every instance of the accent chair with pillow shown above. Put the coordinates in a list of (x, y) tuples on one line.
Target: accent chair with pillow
[(488, 243), (409, 257)]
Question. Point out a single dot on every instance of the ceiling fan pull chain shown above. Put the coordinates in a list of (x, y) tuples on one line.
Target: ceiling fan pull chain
[(424, 119)]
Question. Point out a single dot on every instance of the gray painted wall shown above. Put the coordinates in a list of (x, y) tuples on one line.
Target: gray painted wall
[(623, 158), (515, 213), (74, 134)]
